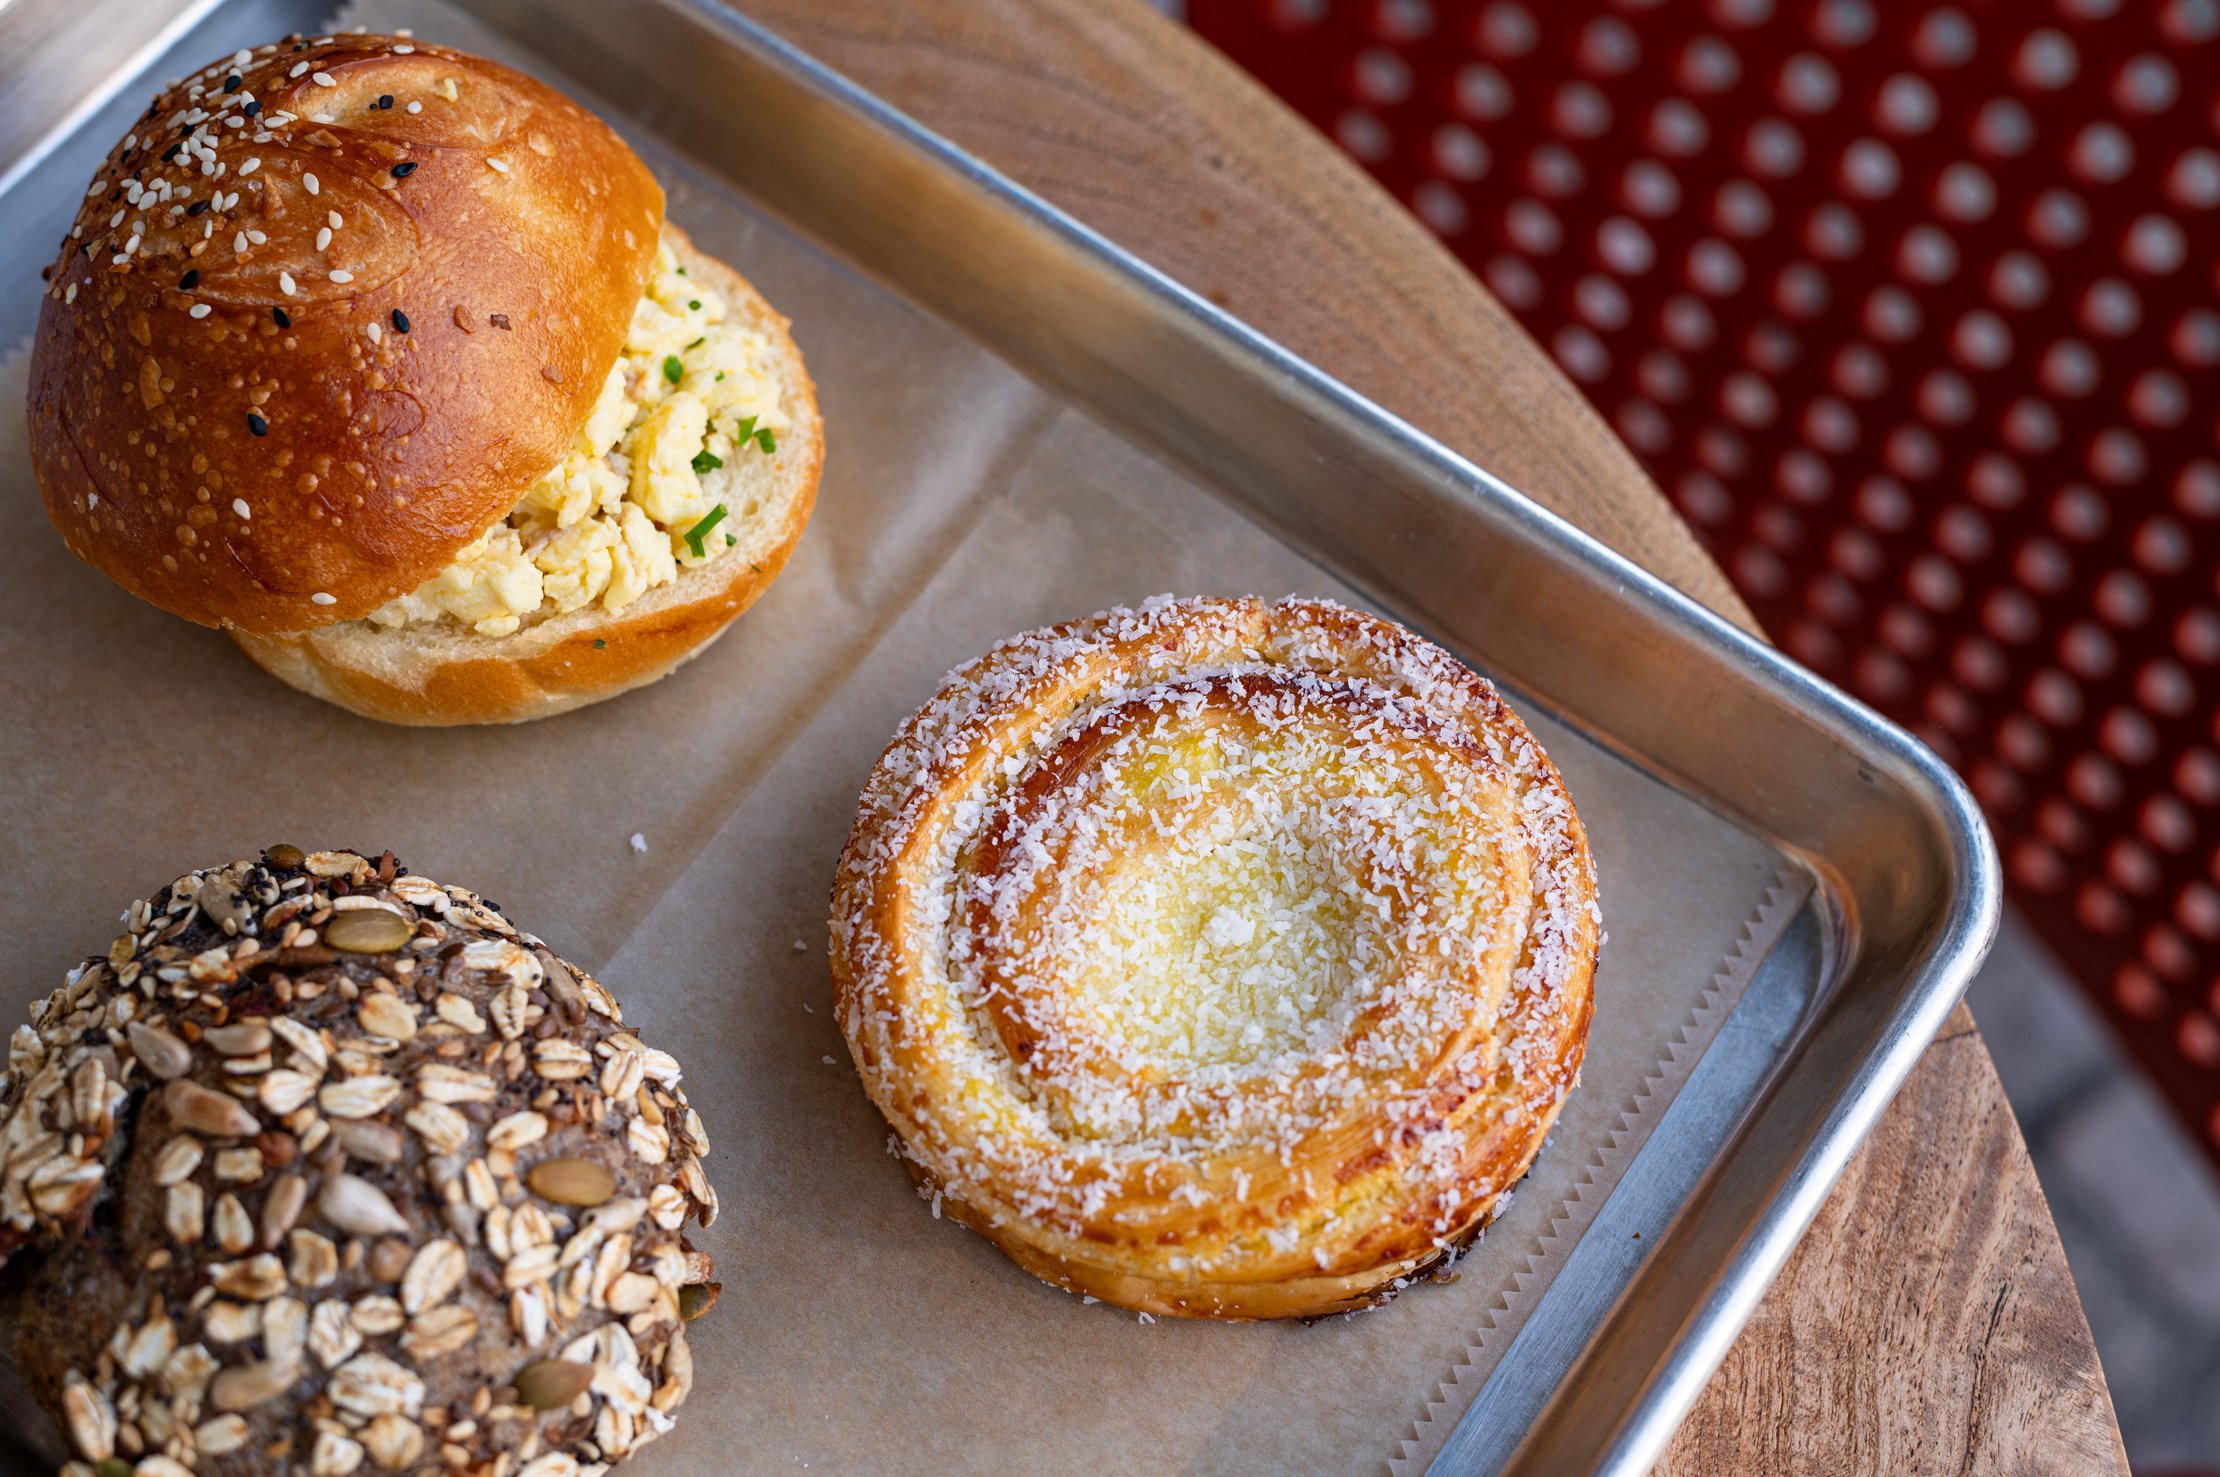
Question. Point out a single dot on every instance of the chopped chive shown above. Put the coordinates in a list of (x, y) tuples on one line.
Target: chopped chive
[(756, 567), (706, 460), (694, 303), (743, 431), (697, 343), (767, 441), (672, 369), (598, 644), (699, 531), (730, 541)]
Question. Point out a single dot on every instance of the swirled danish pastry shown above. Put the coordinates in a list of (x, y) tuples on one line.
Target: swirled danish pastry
[(1217, 958)]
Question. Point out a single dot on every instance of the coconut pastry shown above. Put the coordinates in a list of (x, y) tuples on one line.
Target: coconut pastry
[(1218, 958)]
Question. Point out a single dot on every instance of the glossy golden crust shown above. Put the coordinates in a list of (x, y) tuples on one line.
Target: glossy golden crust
[(267, 476), (1217, 959)]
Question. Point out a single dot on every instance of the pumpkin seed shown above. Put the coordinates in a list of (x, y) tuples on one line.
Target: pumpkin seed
[(368, 931), (284, 857), (551, 1384), (697, 1299), (158, 1051), (571, 1181)]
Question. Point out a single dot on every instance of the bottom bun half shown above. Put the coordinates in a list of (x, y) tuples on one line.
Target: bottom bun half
[(440, 674)]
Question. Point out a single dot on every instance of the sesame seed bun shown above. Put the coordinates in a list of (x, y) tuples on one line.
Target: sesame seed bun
[(263, 421), (443, 673)]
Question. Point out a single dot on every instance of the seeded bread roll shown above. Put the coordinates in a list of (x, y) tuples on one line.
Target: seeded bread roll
[(330, 317), (324, 1166)]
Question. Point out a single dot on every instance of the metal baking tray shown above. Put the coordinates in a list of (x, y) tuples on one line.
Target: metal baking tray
[(1906, 888)]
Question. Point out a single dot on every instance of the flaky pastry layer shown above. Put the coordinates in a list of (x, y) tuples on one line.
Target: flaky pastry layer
[(1217, 958)]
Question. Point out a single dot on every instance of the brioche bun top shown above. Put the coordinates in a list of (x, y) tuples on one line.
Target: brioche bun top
[(326, 312)]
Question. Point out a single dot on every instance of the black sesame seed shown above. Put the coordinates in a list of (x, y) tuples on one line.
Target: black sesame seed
[(231, 83), (196, 207), (251, 107), (171, 152), (385, 99), (284, 319), (114, 195), (189, 281), (257, 424), (400, 321), (403, 171)]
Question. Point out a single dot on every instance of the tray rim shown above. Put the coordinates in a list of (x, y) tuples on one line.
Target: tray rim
[(1938, 974)]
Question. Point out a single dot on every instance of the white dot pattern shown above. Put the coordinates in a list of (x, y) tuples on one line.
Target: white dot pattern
[(1914, 310)]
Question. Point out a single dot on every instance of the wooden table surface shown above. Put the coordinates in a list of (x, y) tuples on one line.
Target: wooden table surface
[(1928, 1323)]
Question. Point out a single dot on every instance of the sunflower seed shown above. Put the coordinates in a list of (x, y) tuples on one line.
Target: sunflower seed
[(433, 1273), (158, 1051), (206, 1112), (551, 1384), (358, 1097), (386, 1015), (355, 1205), (380, 1143), (242, 1038), (571, 1181), (281, 1208), (244, 1386), (234, 1232)]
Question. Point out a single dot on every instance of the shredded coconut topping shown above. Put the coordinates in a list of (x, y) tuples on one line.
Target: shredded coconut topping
[(1219, 944)]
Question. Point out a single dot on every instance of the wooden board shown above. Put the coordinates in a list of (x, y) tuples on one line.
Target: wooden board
[(1928, 1324)]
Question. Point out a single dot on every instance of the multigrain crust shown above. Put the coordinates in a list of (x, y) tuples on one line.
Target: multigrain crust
[(326, 1167), (442, 673), (1061, 1023), (303, 343)]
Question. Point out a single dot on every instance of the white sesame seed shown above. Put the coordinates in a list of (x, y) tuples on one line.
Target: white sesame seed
[(639, 841), (321, 118), (69, 294), (235, 121), (308, 183), (498, 165), (298, 68), (257, 237), (404, 51), (94, 188), (118, 259), (416, 107), (239, 506), (335, 218), (239, 243), (116, 219), (285, 283), (250, 166), (323, 239), (373, 330), (323, 599), (241, 57), (342, 276), (322, 79), (198, 310)]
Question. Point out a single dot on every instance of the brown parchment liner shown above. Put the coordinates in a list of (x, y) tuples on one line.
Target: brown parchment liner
[(960, 504)]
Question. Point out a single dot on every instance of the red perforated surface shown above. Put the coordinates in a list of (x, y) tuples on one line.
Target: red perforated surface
[(1912, 310)]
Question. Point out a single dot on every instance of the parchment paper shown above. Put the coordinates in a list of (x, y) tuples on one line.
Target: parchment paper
[(960, 504)]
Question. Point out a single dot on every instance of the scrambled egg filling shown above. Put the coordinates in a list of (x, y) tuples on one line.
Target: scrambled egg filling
[(690, 393)]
